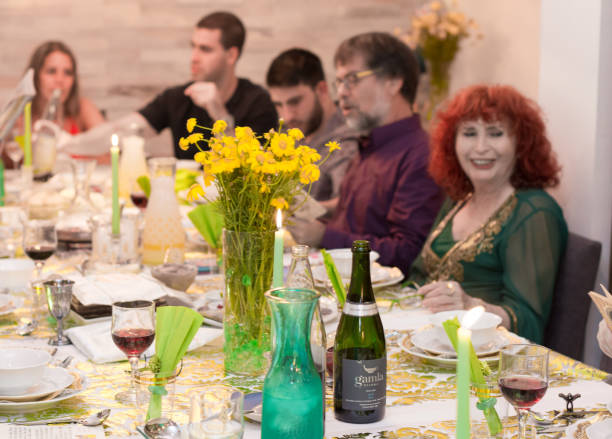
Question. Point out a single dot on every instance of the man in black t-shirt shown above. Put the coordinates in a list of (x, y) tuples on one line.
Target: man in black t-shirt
[(214, 93)]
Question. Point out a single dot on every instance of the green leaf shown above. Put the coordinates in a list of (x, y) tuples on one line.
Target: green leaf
[(246, 280), (145, 184), (334, 277)]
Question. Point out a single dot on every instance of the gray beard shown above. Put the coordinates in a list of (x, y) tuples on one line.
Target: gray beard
[(363, 122)]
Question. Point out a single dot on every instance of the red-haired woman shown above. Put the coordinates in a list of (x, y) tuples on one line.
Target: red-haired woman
[(498, 239)]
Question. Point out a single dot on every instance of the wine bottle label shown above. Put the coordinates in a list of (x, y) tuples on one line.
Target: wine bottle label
[(364, 384), (360, 309)]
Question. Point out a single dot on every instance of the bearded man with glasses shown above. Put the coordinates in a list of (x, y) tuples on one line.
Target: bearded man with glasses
[(387, 195)]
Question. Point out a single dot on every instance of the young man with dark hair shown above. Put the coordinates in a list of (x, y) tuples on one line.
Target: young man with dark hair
[(214, 93), (296, 83), (387, 195)]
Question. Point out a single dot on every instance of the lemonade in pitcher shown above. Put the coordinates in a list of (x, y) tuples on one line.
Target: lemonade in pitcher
[(163, 232)]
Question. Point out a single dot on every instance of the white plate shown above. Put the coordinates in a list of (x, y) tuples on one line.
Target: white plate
[(427, 340), (600, 430), (8, 304), (379, 275), (609, 406), (54, 379), (405, 345), (34, 406)]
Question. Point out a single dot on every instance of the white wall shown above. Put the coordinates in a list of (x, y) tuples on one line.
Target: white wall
[(575, 92), (508, 53)]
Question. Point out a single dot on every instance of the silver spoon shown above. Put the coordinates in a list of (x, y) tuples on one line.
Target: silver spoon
[(162, 428), (89, 421)]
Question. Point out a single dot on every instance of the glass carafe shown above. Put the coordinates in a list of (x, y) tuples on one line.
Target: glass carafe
[(163, 234), (292, 393), (133, 163), (300, 276)]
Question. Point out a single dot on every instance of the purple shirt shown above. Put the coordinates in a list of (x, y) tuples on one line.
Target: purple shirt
[(387, 196)]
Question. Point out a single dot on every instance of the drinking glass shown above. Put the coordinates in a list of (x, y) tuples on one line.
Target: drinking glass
[(39, 242), (216, 412), (14, 152), (523, 378), (59, 296), (138, 196), (133, 331)]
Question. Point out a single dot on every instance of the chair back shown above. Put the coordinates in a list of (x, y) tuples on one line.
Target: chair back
[(570, 308)]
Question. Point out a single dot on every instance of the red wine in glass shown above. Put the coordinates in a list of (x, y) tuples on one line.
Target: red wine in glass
[(133, 342), (523, 391), (139, 199), (39, 252)]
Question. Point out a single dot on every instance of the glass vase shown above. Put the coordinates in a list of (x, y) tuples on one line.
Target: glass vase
[(292, 392), (248, 264)]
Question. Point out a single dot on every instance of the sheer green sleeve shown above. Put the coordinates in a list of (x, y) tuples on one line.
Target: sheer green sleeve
[(530, 253), (418, 272)]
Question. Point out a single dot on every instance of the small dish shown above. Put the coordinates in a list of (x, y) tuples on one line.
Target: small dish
[(484, 330), (21, 368), (54, 380), (438, 360), (429, 341)]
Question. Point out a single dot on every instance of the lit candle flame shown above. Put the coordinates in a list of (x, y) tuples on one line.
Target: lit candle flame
[(115, 140), (471, 317), (279, 219)]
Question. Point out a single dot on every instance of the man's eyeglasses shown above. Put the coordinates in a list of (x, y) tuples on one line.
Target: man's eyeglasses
[(352, 79)]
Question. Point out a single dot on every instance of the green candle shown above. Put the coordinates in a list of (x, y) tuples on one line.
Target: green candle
[(277, 276), (463, 383), (115, 168), (27, 121)]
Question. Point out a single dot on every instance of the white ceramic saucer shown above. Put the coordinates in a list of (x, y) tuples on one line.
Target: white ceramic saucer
[(54, 379), (443, 361), (8, 304), (427, 340)]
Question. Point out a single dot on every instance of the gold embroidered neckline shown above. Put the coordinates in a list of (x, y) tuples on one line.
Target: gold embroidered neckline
[(480, 240)]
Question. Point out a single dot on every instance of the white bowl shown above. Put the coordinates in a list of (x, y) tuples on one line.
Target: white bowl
[(343, 259), (15, 273), (21, 369), (483, 331)]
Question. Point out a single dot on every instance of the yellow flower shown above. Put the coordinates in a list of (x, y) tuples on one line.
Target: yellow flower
[(183, 144), (244, 133), (195, 138), (332, 145), (195, 192), (279, 203), (264, 187), (208, 179), (201, 157), (219, 126), (296, 133), (191, 123), (309, 174), (282, 145)]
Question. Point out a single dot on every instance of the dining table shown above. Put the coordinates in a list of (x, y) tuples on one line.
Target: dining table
[(421, 399), (421, 391)]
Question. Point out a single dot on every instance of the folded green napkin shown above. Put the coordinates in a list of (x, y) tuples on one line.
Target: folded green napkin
[(145, 184), (209, 222), (334, 277), (184, 179), (175, 327), (478, 370)]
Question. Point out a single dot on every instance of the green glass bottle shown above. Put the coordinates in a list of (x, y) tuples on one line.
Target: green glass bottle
[(360, 357)]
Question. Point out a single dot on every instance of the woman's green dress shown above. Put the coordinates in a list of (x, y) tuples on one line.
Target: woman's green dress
[(510, 261)]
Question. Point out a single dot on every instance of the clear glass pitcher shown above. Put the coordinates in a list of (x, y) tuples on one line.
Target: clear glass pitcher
[(292, 392), (163, 230)]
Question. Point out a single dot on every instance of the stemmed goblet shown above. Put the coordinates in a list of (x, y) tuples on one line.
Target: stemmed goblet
[(523, 378), (133, 331), (39, 242), (59, 296)]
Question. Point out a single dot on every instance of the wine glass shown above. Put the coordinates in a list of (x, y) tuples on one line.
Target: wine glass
[(138, 196), (39, 242), (59, 296), (14, 152), (133, 331), (523, 378)]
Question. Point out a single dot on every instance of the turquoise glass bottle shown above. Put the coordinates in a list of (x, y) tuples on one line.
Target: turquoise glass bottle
[(292, 393)]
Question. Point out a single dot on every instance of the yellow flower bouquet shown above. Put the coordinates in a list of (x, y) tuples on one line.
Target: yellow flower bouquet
[(255, 176)]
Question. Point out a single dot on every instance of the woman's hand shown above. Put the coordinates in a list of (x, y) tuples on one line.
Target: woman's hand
[(604, 337), (444, 296)]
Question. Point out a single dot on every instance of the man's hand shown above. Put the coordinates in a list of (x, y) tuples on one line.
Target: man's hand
[(206, 95), (307, 232)]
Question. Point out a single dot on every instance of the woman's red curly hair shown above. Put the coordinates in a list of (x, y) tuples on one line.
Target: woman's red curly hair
[(536, 164)]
